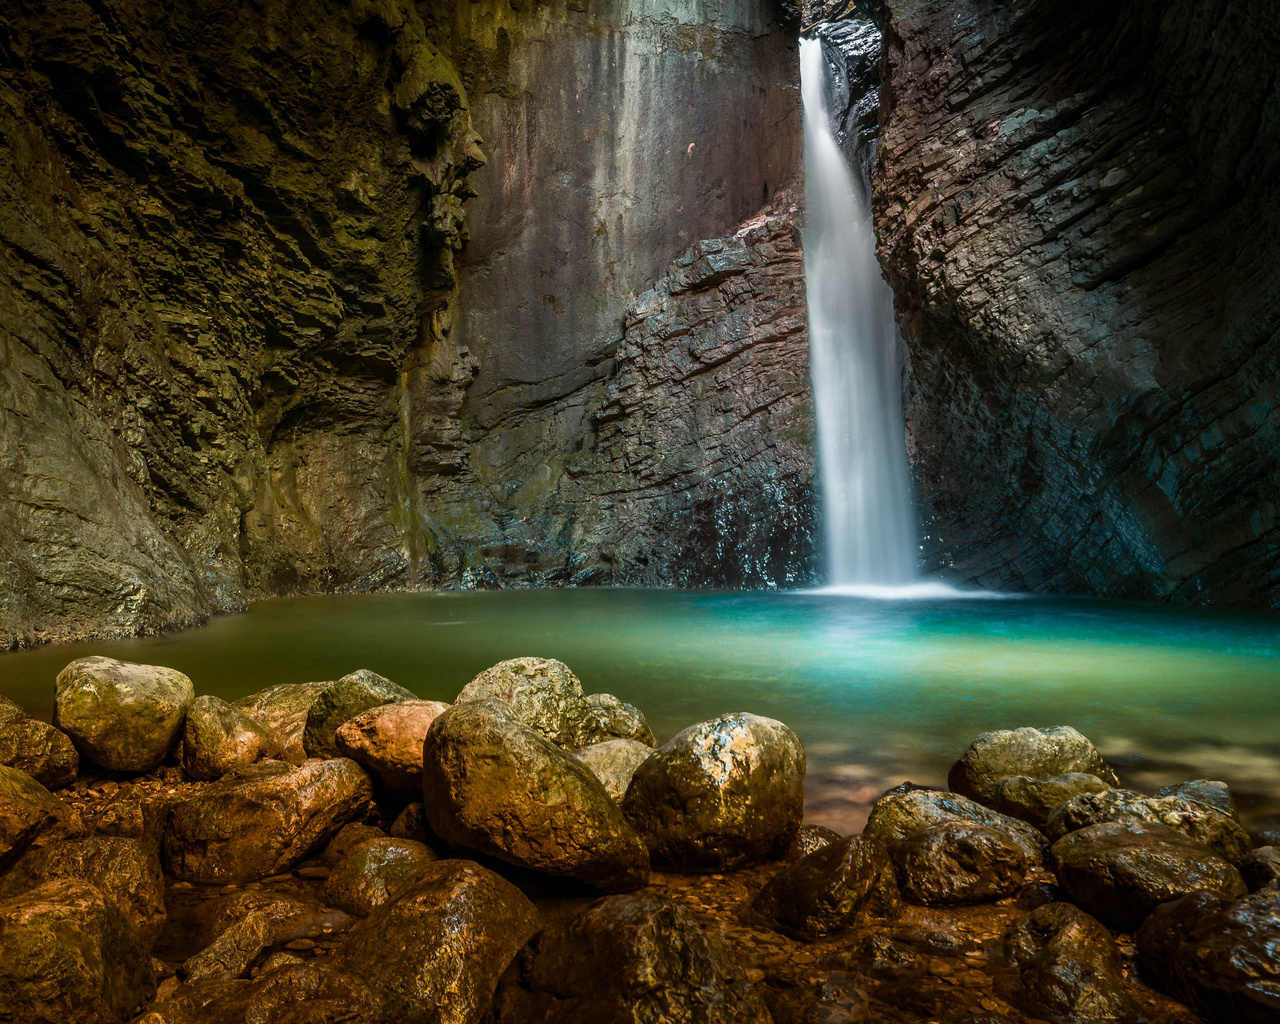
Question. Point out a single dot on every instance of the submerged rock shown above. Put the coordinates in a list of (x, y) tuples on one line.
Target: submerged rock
[(493, 784), (720, 794), (1033, 800), (37, 748), (1038, 753), (341, 701), (217, 739), (624, 960), (375, 872), (903, 812), (614, 762), (284, 709), (387, 741), (959, 862), (28, 811), (122, 716)]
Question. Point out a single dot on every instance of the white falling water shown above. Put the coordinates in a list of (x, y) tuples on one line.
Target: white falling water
[(856, 362)]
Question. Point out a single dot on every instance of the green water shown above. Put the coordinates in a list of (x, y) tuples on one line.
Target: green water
[(875, 688)]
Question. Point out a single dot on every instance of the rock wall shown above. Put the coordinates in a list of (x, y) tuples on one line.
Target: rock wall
[(1078, 207)]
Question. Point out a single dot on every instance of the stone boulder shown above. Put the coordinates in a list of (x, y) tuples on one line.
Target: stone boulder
[(1121, 871), (1199, 821), (1038, 753), (720, 794), (1260, 868), (614, 762), (262, 820), (347, 839), (493, 784), (125, 870), (284, 990), (28, 811), (37, 748), (341, 701), (435, 952), (1219, 955), (615, 718), (809, 839), (283, 709), (387, 741), (1209, 792), (625, 960), (842, 883), (122, 716), (902, 812), (70, 955), (375, 872), (217, 739), (1033, 800), (1068, 969), (957, 862), (411, 823), (233, 952)]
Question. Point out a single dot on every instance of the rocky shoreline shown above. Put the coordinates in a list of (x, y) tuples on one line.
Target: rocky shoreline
[(343, 851)]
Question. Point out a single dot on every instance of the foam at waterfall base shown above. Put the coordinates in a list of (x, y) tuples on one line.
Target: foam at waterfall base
[(924, 590)]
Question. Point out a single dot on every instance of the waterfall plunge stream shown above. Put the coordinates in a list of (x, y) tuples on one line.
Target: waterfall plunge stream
[(856, 362)]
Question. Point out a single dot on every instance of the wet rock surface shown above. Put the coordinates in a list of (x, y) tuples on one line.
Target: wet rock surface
[(809, 839), (284, 709), (375, 872), (1033, 800), (341, 701), (959, 862), (899, 814), (28, 812), (387, 741), (1039, 753), (1260, 868), (217, 739), (614, 762), (37, 748), (1209, 792)]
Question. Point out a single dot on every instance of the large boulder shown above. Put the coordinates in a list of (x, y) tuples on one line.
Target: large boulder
[(122, 716), (902, 812), (1219, 955), (957, 862), (1068, 969), (284, 709), (627, 960), (1120, 871), (614, 762), (436, 951), (1197, 820), (217, 739), (263, 819), (126, 870), (839, 884), (37, 748), (1039, 753), (493, 784), (28, 811), (720, 794), (375, 872), (1033, 800), (70, 955), (340, 702), (387, 741)]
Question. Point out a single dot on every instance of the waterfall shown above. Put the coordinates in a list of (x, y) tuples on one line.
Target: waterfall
[(856, 360)]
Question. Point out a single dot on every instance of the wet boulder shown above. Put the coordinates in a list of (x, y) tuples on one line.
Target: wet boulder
[(1121, 871), (902, 812), (375, 872), (623, 960), (1209, 792), (493, 784), (217, 739), (1038, 753), (809, 839), (70, 955), (262, 820), (28, 812), (37, 748), (387, 741), (842, 883), (1260, 868), (347, 839), (1033, 800), (957, 862), (233, 952), (1067, 967), (341, 701), (720, 794), (615, 718), (122, 716), (614, 762), (289, 991), (411, 823), (435, 952), (283, 709)]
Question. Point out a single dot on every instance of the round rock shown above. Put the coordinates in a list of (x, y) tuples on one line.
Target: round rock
[(902, 812), (341, 701), (37, 748), (1033, 800), (375, 872), (28, 811), (1038, 753), (387, 741), (614, 762), (957, 862), (284, 709), (217, 739), (809, 839)]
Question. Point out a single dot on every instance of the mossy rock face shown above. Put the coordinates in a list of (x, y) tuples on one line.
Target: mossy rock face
[(374, 872), (217, 739), (898, 814), (720, 794), (71, 955), (1033, 800), (27, 811), (37, 748), (614, 763), (1039, 753), (122, 716), (387, 741), (340, 702), (957, 862)]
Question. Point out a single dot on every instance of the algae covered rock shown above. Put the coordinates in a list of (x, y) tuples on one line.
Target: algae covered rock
[(623, 960), (217, 739), (341, 701), (284, 709), (37, 748), (27, 812), (902, 812), (1033, 800), (614, 762), (1039, 753), (262, 820), (375, 872), (720, 794), (387, 741), (957, 862), (493, 784), (122, 716)]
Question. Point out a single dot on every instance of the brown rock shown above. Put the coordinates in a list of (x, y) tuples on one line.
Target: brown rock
[(959, 862), (341, 701), (27, 812), (1038, 753), (614, 762), (387, 741), (283, 709), (217, 739), (348, 838), (900, 813), (1033, 800), (375, 872), (37, 748)]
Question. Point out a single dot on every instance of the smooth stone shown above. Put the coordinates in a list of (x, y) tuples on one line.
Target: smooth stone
[(70, 955), (1033, 800), (122, 716), (493, 784), (626, 959), (809, 839), (340, 702), (1209, 792), (436, 951), (720, 795), (1260, 868), (1197, 820), (1219, 955), (283, 709), (840, 884), (956, 862), (1038, 753), (387, 741), (217, 739), (262, 820), (375, 872), (902, 812), (125, 870), (28, 812), (1121, 871), (1068, 967), (347, 839), (37, 748), (614, 762)]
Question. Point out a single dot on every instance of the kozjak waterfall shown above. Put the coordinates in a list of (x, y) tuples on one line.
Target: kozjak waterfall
[(856, 360)]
